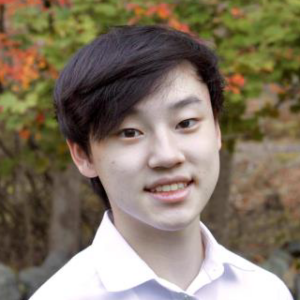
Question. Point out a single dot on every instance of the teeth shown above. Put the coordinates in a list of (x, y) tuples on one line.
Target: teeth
[(170, 187), (182, 185), (174, 187), (166, 188)]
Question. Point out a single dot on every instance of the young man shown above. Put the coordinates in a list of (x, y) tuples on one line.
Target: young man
[(139, 108)]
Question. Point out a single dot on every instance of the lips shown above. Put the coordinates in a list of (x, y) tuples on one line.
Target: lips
[(162, 191), (168, 181), (172, 196), (169, 187)]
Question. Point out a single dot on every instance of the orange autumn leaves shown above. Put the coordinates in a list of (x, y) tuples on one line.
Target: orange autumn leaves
[(12, 6), (20, 64), (236, 12), (235, 83), (25, 133), (163, 11), (20, 67)]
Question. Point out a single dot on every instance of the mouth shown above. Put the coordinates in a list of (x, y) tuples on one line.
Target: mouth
[(171, 193), (169, 188)]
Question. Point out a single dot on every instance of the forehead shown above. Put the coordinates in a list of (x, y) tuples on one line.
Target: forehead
[(180, 88)]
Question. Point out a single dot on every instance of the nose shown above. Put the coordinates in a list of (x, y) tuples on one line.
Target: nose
[(165, 152)]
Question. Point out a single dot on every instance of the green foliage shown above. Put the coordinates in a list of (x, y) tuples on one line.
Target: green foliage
[(257, 42), (56, 34), (7, 166), (257, 39)]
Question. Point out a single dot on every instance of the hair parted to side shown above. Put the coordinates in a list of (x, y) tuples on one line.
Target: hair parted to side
[(105, 79)]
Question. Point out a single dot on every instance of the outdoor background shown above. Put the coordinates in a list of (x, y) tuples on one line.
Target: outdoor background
[(47, 210)]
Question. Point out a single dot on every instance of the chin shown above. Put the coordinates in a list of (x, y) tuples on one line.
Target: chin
[(175, 221)]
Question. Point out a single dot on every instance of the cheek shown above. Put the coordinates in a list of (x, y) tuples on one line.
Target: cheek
[(128, 163), (202, 148), (113, 179), (203, 153), (118, 171)]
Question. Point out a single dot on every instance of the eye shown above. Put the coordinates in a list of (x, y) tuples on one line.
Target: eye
[(129, 133), (187, 123)]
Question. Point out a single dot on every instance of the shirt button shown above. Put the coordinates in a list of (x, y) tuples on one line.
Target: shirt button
[(183, 296)]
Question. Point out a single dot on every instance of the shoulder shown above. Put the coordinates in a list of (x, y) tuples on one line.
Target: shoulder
[(72, 280), (255, 277)]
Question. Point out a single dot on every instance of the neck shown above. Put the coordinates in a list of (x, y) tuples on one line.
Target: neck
[(175, 256)]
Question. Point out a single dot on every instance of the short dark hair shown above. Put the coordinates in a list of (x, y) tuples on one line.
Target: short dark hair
[(105, 79)]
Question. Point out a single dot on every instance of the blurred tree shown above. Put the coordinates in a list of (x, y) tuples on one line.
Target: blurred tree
[(34, 156), (257, 41)]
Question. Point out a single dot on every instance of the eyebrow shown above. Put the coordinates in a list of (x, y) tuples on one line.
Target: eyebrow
[(190, 100), (185, 102)]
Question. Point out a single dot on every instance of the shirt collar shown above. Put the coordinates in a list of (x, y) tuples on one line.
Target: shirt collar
[(120, 268), (115, 259), (216, 254)]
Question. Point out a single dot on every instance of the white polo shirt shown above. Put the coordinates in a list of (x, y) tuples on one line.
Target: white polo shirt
[(110, 269)]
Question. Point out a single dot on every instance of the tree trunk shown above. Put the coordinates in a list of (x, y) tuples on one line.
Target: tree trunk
[(64, 234), (216, 213)]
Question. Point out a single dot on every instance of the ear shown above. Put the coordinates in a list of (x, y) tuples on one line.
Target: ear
[(219, 134), (81, 160)]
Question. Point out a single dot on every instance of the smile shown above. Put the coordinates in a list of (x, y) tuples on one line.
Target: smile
[(171, 193), (169, 187)]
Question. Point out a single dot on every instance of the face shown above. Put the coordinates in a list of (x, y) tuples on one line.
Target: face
[(170, 138)]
